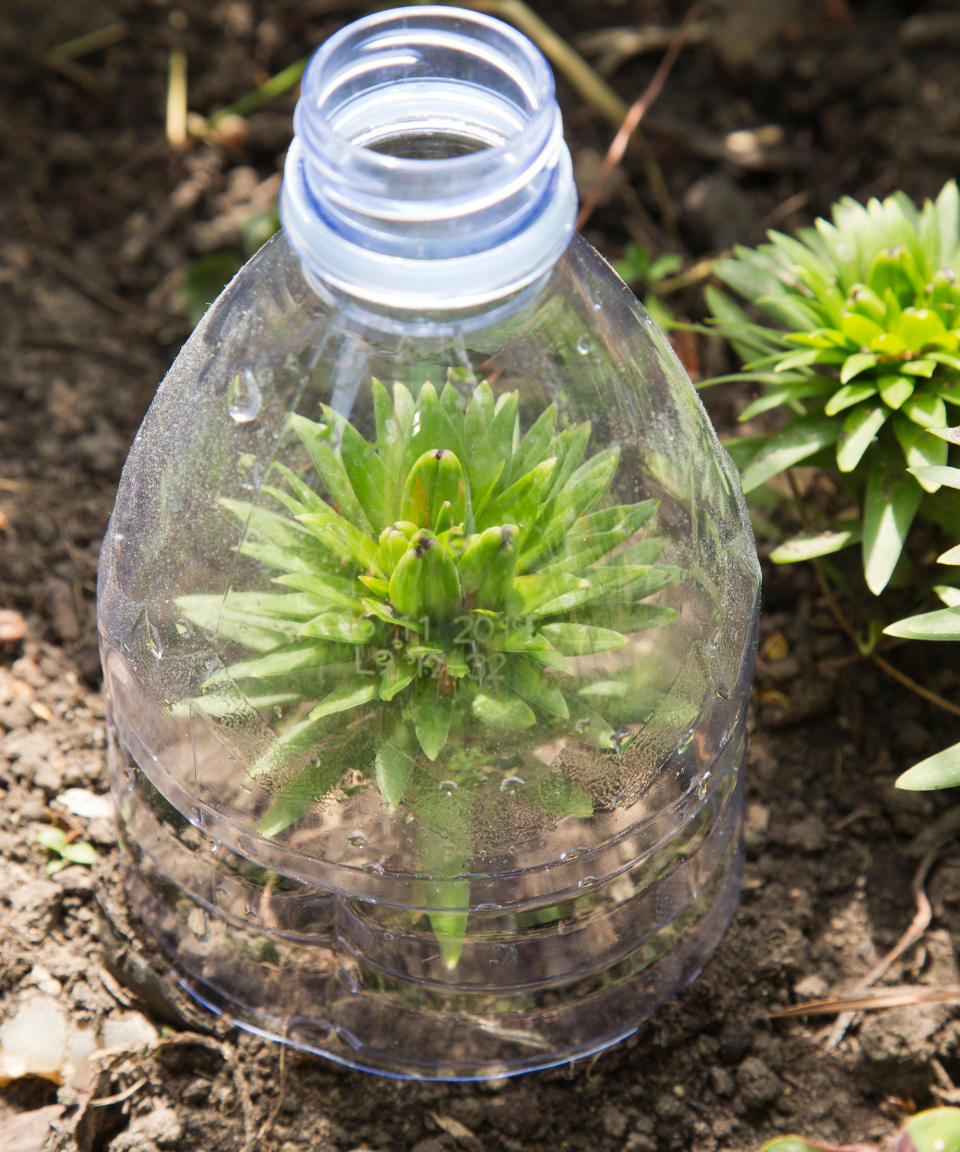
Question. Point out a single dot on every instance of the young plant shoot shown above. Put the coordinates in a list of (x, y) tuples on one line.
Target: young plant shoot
[(441, 589)]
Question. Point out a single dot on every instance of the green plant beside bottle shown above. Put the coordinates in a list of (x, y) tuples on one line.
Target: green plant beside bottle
[(858, 345)]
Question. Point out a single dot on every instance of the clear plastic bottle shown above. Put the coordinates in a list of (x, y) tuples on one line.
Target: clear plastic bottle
[(428, 604)]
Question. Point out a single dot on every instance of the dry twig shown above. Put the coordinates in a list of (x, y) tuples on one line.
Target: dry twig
[(634, 115)]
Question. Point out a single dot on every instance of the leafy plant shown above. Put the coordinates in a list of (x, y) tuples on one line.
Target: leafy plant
[(643, 272), (435, 589), (934, 1130), (942, 770), (206, 276), (859, 343), (64, 851)]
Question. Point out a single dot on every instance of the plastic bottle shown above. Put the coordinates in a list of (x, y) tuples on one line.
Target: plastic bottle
[(428, 604)]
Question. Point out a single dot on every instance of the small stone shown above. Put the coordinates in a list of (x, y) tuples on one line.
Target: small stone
[(28, 1131), (758, 1085), (33, 1041), (127, 1030), (808, 835), (756, 824), (722, 1081), (162, 1126), (613, 1121), (811, 988)]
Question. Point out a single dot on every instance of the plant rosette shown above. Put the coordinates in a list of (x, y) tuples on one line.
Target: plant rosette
[(444, 597), (860, 344)]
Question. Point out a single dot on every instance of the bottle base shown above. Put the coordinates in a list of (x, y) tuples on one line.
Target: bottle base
[(361, 984)]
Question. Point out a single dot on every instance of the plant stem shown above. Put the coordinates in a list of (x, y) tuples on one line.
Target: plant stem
[(884, 665)]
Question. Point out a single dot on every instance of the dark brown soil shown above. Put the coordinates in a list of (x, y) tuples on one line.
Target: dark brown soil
[(100, 219)]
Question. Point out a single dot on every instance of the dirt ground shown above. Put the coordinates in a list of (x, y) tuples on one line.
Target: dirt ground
[(775, 108)]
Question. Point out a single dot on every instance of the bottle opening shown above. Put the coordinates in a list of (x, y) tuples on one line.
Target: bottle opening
[(428, 169), (427, 145)]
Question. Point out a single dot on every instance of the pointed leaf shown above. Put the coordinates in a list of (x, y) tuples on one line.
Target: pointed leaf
[(431, 710), (944, 624), (800, 440), (810, 547), (355, 692), (890, 504), (859, 431), (855, 364), (582, 639), (849, 395), (502, 711), (393, 769), (941, 770)]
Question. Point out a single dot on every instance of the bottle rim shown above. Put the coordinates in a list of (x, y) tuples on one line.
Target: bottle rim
[(441, 232)]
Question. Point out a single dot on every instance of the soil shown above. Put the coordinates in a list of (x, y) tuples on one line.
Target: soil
[(775, 108)]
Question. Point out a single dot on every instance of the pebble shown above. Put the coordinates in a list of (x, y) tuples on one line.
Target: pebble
[(162, 1126), (613, 1120), (722, 1081), (127, 1030), (758, 1085), (808, 835)]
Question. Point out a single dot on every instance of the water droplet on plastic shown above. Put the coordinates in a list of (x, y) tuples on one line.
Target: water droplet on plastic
[(574, 853), (447, 787), (213, 847), (243, 397), (357, 840), (583, 346), (372, 868), (588, 882), (510, 784), (184, 627), (349, 981), (582, 725)]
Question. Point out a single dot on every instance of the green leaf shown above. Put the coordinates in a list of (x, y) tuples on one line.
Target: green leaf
[(273, 539), (810, 547), (859, 329), (341, 627), (314, 782), (925, 454), (502, 711), (395, 677), (849, 395), (943, 624), (582, 639), (890, 504), (925, 409), (51, 838), (284, 661), (935, 1130), (895, 391), (855, 364), (538, 689), (80, 852), (316, 439), (800, 440), (801, 388), (535, 445), (344, 541), (800, 359), (521, 502), (325, 591), (393, 769), (859, 431), (431, 710), (353, 694), (374, 487)]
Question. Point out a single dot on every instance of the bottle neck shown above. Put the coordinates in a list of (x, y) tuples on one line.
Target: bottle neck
[(428, 168)]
